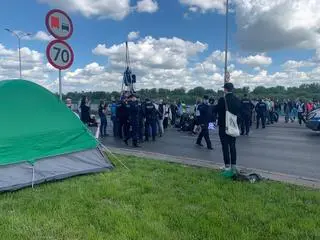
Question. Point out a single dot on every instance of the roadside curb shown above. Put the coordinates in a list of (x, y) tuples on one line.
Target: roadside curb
[(274, 176)]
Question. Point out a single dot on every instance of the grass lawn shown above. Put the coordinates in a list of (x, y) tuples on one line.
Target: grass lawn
[(159, 201)]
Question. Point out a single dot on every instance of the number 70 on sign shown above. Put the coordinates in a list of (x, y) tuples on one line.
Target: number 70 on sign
[(60, 54)]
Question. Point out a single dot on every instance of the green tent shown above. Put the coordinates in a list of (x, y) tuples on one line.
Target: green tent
[(41, 139)]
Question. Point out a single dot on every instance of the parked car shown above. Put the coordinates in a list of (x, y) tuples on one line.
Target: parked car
[(313, 120)]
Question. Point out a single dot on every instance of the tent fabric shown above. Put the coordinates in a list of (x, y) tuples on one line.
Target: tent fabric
[(17, 176), (41, 139), (35, 124)]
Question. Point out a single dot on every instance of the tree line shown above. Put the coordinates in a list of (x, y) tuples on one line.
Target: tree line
[(304, 92)]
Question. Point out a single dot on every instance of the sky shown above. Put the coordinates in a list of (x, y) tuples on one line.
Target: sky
[(172, 43)]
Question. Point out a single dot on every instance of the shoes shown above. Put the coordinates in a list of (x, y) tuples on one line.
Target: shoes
[(199, 144), (210, 148), (228, 173)]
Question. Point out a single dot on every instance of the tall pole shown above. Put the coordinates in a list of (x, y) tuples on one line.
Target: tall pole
[(19, 35), (19, 46), (60, 85), (226, 43)]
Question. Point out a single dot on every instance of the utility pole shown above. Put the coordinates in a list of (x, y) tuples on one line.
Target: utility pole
[(19, 36), (226, 74)]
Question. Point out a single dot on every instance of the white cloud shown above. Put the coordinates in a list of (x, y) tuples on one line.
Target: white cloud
[(265, 25), (292, 64), (193, 9), (219, 56), (167, 53), (149, 6), (257, 60), (133, 35), (204, 5), (113, 9), (158, 63), (33, 65), (42, 36)]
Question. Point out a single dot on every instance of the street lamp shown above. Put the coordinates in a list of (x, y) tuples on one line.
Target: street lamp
[(19, 36), (226, 74)]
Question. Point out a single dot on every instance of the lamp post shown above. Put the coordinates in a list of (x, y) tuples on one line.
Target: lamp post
[(226, 75), (19, 36)]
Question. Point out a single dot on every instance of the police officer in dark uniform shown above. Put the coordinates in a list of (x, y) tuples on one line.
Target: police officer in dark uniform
[(151, 119), (204, 119), (261, 109), (246, 111), (141, 117), (133, 120), (121, 118)]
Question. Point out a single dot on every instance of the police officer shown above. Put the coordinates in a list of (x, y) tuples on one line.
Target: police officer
[(246, 111), (133, 120), (126, 126), (261, 109), (204, 119), (121, 118), (113, 110), (141, 117), (151, 119)]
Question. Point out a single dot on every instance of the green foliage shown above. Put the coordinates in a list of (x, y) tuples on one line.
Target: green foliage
[(305, 91), (156, 200)]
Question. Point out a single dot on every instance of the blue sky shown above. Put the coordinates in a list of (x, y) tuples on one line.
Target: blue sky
[(256, 55)]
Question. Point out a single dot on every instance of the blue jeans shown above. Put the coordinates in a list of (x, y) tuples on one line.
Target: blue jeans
[(103, 127)]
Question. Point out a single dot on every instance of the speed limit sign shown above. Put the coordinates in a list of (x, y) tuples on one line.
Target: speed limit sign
[(60, 54)]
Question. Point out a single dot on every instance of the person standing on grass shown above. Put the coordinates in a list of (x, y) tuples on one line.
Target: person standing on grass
[(228, 142)]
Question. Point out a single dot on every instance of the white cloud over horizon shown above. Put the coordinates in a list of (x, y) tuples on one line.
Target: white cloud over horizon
[(256, 60), (158, 63)]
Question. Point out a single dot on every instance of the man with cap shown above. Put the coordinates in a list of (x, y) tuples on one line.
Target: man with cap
[(150, 112), (204, 119), (228, 142), (246, 113), (133, 111), (261, 109), (141, 116)]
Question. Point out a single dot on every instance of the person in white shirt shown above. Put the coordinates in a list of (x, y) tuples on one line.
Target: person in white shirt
[(161, 113)]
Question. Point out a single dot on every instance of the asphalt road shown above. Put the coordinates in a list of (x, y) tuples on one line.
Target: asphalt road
[(284, 148)]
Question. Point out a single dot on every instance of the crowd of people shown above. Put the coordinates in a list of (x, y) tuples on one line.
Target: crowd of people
[(146, 120)]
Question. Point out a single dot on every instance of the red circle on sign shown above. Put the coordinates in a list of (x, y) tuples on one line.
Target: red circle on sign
[(49, 57), (49, 28)]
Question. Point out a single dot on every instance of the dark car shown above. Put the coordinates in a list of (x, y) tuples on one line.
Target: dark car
[(313, 120)]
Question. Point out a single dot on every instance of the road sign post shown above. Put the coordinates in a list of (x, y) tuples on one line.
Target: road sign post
[(59, 53)]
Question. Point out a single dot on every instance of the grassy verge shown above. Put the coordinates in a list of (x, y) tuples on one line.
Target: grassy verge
[(157, 200)]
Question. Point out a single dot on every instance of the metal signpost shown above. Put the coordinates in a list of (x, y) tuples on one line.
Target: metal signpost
[(59, 53)]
